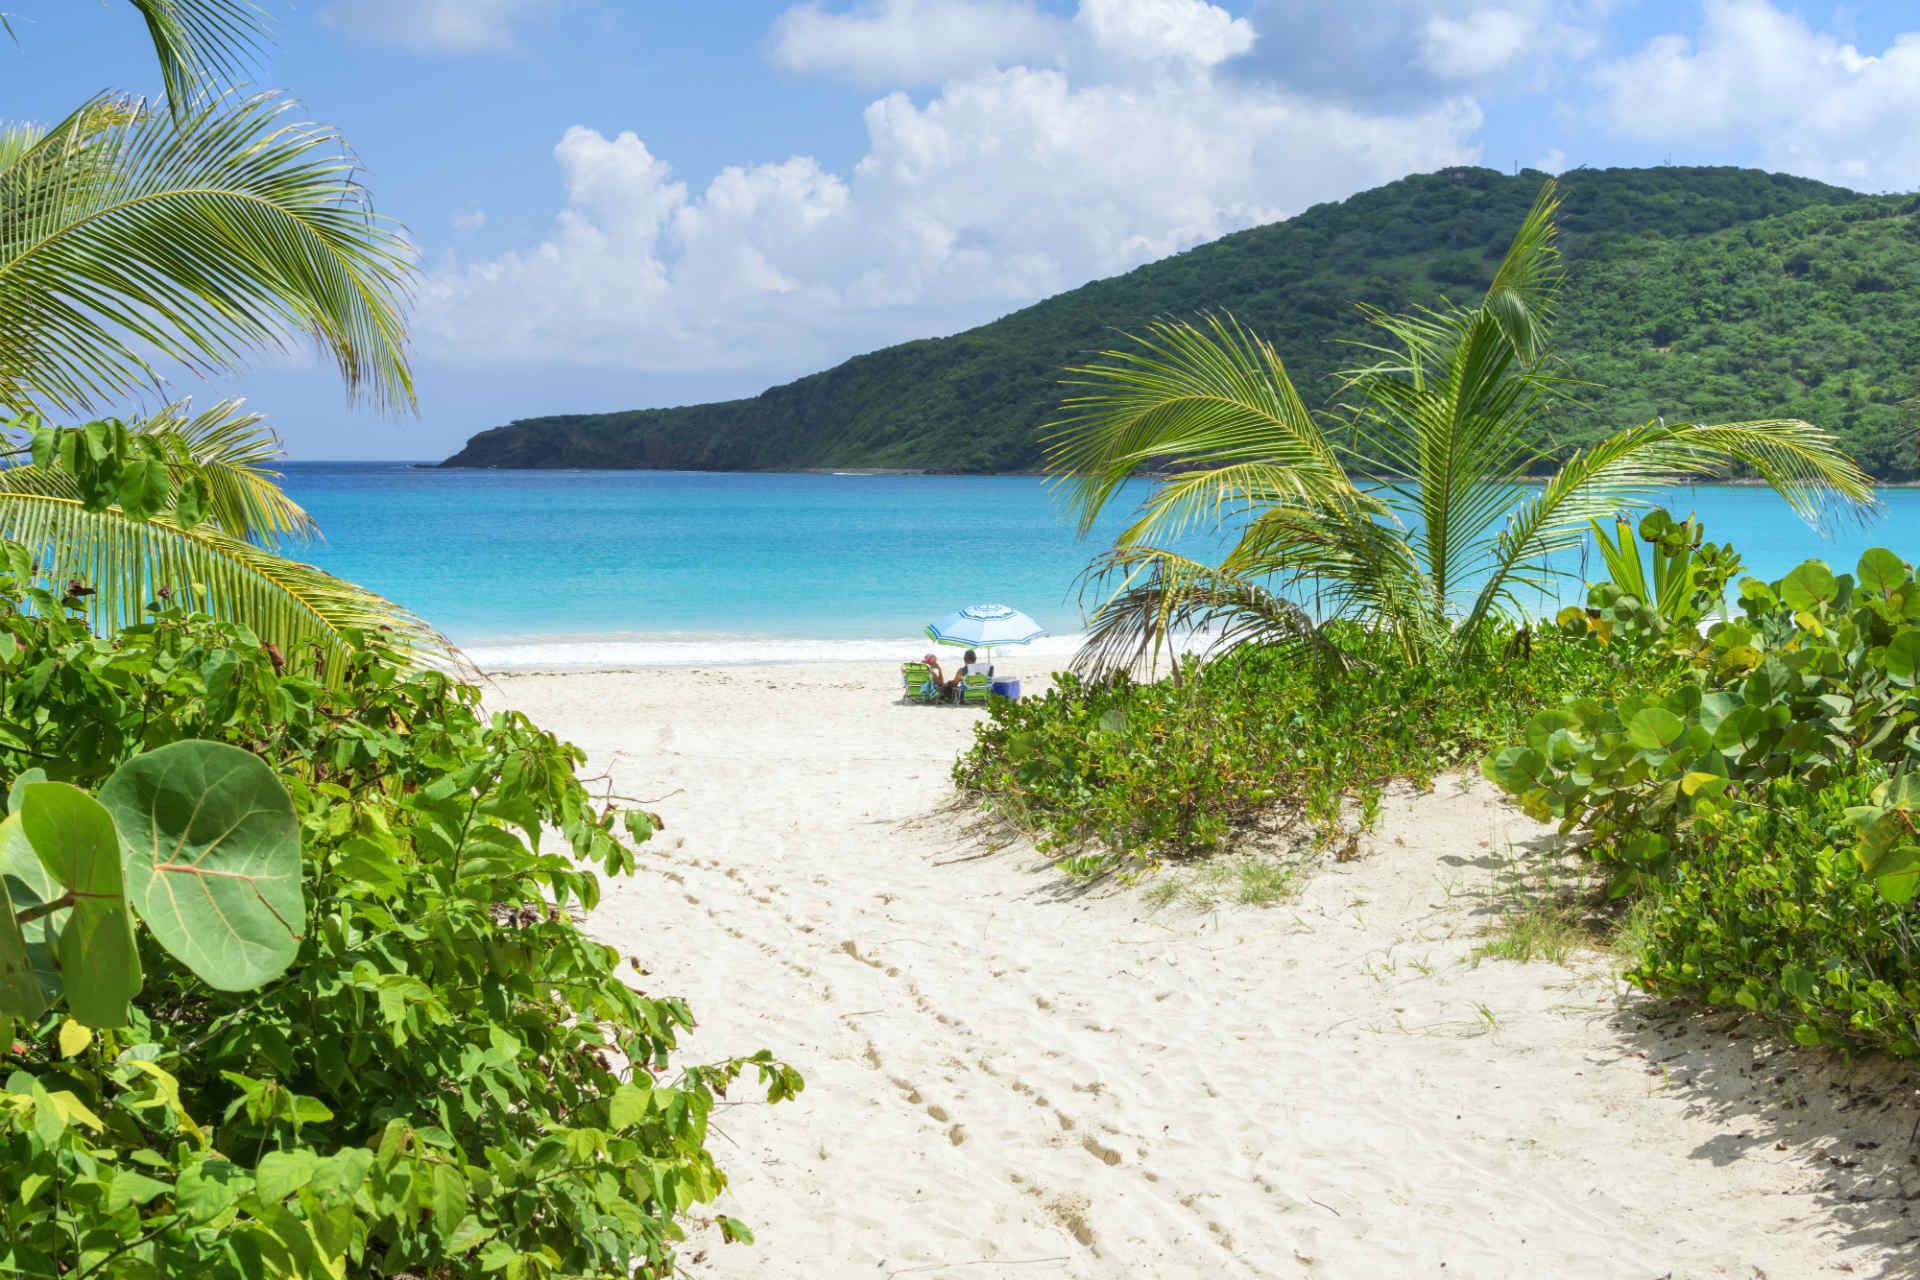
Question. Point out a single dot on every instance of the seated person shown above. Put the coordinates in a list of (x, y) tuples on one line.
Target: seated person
[(971, 666), (932, 664)]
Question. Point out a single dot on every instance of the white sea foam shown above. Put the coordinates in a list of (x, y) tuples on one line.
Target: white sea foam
[(681, 649)]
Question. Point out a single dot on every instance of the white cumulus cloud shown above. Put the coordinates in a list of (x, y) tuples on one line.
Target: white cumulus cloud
[(1478, 43), (1753, 73), (1165, 30), (1006, 185), (912, 42), (1412, 51), (432, 26)]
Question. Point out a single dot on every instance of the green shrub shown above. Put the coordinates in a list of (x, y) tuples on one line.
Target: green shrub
[(452, 1079), (1770, 910), (1817, 682), (1170, 768)]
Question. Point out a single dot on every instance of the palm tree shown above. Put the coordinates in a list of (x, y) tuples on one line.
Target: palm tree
[(193, 235), (224, 560), (1419, 518)]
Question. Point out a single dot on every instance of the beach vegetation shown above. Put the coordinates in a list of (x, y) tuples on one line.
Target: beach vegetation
[(1116, 773), (1770, 909), (432, 1068), (192, 233), (1759, 812), (138, 238), (1249, 879), (1812, 684), (183, 508), (1544, 914), (293, 981), (1680, 581), (1415, 515)]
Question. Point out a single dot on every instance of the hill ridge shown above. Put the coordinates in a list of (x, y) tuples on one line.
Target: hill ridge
[(1702, 292)]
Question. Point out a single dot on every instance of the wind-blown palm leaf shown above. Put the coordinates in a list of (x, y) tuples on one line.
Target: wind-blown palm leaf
[(1212, 397), (234, 451), (1800, 461), (1350, 558), (201, 42), (228, 447), (1520, 301), (124, 235), (1450, 412), (1163, 594), (127, 563)]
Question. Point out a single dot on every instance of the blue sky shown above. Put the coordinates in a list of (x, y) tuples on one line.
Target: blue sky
[(622, 204)]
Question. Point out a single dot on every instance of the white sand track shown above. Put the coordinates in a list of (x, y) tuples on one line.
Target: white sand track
[(1010, 1078)]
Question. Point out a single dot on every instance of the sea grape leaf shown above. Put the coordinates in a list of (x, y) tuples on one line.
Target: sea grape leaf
[(1809, 586), (1881, 570), (99, 963), (1655, 729), (74, 1038), (281, 1173), (206, 1190), (212, 853), (143, 487), (1893, 865), (73, 836), (20, 992), (27, 885), (18, 789), (1903, 657)]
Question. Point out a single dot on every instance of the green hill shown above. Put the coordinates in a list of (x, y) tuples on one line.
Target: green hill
[(1722, 293)]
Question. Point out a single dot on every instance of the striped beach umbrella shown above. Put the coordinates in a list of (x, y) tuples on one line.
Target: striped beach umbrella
[(985, 626)]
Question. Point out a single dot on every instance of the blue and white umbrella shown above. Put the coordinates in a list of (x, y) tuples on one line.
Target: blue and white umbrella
[(985, 626)]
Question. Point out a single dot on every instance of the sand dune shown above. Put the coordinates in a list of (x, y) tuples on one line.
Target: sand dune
[(1007, 1077)]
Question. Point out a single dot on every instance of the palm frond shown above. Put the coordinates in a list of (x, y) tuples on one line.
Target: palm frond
[(124, 235), (1351, 559), (201, 43), (1188, 397), (1162, 597), (1801, 462), (235, 451), (227, 447), (1450, 408), (1520, 301), (1210, 498), (130, 564)]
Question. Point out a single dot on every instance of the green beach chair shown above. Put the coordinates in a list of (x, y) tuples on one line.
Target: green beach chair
[(917, 678), (975, 690)]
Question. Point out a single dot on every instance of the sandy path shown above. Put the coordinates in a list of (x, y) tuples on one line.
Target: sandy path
[(1006, 1078)]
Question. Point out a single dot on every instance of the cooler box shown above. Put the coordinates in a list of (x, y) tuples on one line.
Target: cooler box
[(1006, 689)]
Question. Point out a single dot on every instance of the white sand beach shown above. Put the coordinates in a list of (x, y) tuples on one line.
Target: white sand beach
[(1010, 1077)]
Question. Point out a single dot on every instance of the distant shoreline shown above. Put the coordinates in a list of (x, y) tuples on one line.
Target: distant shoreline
[(1737, 482)]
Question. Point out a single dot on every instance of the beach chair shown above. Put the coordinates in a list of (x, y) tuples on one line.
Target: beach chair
[(917, 678), (976, 689)]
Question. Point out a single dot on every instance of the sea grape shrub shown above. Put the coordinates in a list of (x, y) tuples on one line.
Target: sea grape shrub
[(197, 840), (1815, 684), (1772, 911), (452, 1079), (1658, 600), (1118, 773)]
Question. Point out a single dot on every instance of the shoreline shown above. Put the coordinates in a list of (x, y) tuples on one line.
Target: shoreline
[(1734, 482), (621, 652)]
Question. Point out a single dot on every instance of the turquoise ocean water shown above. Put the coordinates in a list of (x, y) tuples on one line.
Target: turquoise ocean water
[(610, 568)]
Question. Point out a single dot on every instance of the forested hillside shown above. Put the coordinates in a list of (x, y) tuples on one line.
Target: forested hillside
[(1691, 293)]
